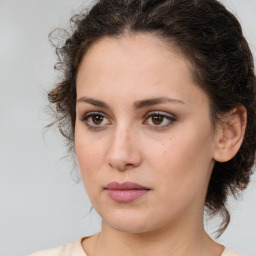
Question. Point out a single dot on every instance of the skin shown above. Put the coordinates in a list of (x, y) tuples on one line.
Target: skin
[(173, 158)]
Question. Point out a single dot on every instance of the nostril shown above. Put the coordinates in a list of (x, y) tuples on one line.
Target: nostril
[(129, 165), (120, 165)]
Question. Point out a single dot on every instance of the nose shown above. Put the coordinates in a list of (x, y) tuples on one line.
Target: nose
[(123, 152)]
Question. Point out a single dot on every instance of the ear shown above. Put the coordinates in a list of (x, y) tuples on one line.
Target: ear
[(230, 134)]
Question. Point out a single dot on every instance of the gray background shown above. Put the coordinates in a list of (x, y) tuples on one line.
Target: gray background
[(40, 204)]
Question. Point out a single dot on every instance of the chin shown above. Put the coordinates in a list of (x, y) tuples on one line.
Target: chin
[(129, 224), (135, 229)]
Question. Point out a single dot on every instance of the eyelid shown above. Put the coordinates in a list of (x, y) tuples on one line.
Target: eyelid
[(161, 113), (91, 113), (170, 117), (87, 115)]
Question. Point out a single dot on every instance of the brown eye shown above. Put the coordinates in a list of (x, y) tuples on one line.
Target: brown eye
[(157, 119), (97, 119)]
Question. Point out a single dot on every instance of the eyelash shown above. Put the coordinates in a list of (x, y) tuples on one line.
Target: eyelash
[(86, 118), (169, 118)]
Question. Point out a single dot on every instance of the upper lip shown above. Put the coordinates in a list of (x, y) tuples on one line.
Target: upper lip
[(124, 186)]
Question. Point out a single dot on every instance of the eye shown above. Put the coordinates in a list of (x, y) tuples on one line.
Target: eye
[(95, 120), (160, 120)]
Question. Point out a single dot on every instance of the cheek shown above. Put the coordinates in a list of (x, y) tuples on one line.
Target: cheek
[(90, 156), (89, 165), (182, 164)]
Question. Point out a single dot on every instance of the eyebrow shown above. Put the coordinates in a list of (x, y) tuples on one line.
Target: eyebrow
[(155, 101), (137, 104), (94, 102)]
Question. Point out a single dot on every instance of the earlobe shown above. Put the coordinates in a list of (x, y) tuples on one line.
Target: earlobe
[(230, 134)]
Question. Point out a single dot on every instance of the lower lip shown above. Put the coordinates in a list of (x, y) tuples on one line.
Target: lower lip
[(126, 196)]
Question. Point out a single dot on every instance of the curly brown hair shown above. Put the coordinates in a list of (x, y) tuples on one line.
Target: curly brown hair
[(209, 36)]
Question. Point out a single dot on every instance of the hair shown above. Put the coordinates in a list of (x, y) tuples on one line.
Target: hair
[(207, 35)]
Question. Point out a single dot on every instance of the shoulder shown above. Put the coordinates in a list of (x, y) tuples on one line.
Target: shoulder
[(229, 252), (71, 249)]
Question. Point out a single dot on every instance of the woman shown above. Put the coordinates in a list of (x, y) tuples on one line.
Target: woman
[(158, 101)]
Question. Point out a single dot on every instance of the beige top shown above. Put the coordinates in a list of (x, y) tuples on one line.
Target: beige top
[(76, 249)]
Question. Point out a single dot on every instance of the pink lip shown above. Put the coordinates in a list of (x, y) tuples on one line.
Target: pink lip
[(125, 192)]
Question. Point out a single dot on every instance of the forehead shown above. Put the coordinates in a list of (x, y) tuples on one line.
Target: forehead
[(140, 63), (132, 49)]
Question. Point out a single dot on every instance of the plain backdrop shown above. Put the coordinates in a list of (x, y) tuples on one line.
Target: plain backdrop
[(40, 204)]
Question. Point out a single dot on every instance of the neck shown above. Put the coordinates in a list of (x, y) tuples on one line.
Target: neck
[(187, 239)]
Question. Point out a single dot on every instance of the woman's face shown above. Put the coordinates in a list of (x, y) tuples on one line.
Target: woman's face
[(141, 119)]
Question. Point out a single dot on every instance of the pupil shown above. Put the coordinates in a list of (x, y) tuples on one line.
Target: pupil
[(97, 119), (157, 119)]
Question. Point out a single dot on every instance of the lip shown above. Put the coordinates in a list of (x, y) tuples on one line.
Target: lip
[(125, 192)]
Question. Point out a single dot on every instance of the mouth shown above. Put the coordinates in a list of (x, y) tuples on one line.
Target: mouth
[(125, 192)]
